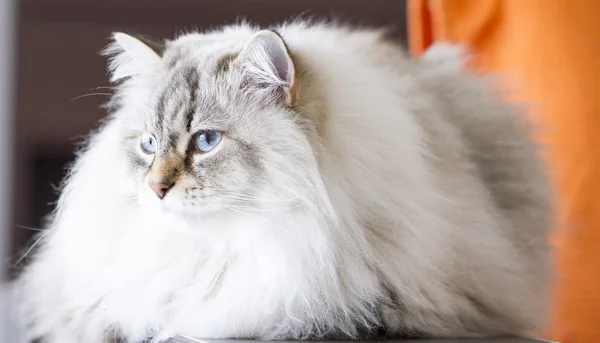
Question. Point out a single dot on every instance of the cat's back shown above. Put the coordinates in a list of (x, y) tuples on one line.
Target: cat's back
[(434, 155), (429, 125)]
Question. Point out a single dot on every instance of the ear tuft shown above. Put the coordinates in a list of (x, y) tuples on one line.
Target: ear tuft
[(130, 56), (268, 64)]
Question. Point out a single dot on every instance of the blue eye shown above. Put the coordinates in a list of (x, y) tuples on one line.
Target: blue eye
[(148, 143), (207, 140)]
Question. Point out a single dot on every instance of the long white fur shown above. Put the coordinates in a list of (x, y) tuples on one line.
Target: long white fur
[(385, 192)]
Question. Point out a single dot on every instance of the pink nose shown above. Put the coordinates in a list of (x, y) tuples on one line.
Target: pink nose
[(160, 188)]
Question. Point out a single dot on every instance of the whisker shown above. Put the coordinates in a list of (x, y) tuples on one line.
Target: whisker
[(227, 192), (253, 209), (90, 94), (129, 214), (30, 249), (254, 216), (133, 197), (241, 197), (29, 228), (104, 87)]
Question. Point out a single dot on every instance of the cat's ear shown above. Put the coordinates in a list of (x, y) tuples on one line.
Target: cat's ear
[(269, 66), (130, 56)]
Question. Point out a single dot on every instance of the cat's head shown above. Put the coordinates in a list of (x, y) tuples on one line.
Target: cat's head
[(212, 122)]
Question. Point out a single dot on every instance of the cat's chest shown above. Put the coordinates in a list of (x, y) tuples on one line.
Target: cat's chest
[(158, 278)]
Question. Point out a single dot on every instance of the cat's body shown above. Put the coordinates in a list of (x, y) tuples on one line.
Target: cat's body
[(354, 191)]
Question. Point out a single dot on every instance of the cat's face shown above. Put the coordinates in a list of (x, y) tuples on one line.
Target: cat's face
[(207, 132)]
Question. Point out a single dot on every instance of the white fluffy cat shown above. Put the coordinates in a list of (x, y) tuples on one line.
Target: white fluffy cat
[(310, 181)]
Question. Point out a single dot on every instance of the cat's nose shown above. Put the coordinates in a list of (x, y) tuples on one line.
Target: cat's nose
[(160, 188)]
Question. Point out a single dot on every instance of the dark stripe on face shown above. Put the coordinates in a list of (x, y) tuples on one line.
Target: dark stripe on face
[(251, 158), (171, 142), (192, 79), (189, 80), (188, 162), (136, 161), (161, 108)]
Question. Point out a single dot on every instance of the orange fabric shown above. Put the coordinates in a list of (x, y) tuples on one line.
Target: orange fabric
[(552, 49)]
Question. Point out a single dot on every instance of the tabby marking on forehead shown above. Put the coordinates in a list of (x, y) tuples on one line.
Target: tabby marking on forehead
[(178, 101)]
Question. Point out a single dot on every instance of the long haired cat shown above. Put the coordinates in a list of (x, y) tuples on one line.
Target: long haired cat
[(310, 181)]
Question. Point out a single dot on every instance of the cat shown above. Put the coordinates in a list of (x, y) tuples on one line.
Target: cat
[(306, 181)]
